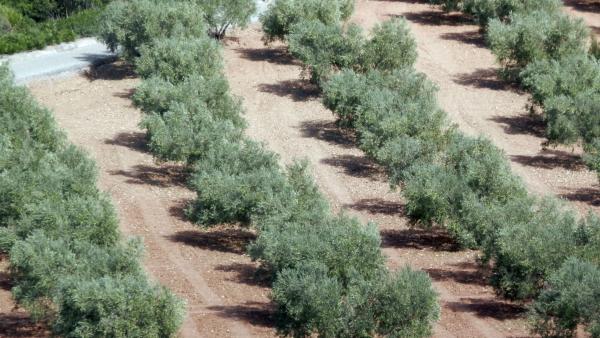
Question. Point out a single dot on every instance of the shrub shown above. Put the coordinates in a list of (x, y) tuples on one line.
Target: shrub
[(223, 14), (572, 297), (309, 301), (40, 265), (536, 36), (324, 48), (312, 301), (430, 191), (392, 46), (174, 59), (236, 182), (404, 304), (483, 11), (156, 95), (530, 252), (471, 186), (567, 76), (401, 103), (572, 118), (395, 114), (122, 306), (341, 244), (186, 133), (301, 203), (343, 94), (131, 24), (282, 15)]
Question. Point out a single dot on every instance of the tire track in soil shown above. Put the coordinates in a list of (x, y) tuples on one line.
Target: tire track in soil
[(285, 113), (206, 268)]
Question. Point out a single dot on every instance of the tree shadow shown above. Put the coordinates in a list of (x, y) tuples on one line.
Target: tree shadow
[(474, 38), (551, 159), (485, 78), (127, 94), (329, 132), (419, 239), (468, 273), (116, 70), (6, 282), (20, 324), (437, 18), (298, 90), (132, 140), (355, 166), (590, 196), (255, 313), (230, 240), (584, 5), (178, 210), (248, 274), (525, 124), (276, 55), (489, 308), (378, 206), (166, 175)]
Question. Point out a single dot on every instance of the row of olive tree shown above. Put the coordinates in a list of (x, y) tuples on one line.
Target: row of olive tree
[(464, 184), (544, 48), (328, 272), (69, 265)]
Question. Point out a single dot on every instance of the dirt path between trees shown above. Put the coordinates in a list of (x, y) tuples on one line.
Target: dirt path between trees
[(206, 268)]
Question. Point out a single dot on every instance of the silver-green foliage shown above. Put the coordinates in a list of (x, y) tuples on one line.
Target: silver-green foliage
[(282, 15), (61, 234), (223, 14), (157, 95), (485, 10), (535, 36), (569, 90), (310, 300), (325, 49), (174, 59), (529, 252), (127, 25), (572, 298)]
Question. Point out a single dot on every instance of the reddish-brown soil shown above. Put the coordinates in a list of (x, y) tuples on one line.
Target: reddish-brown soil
[(588, 10), (208, 268)]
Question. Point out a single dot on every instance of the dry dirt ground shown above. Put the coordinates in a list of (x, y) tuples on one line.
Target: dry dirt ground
[(588, 10), (208, 268)]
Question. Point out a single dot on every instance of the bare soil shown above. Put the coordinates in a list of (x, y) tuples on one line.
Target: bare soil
[(588, 10), (209, 269)]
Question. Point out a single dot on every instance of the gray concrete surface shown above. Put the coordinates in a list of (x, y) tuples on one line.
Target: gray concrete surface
[(56, 60)]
